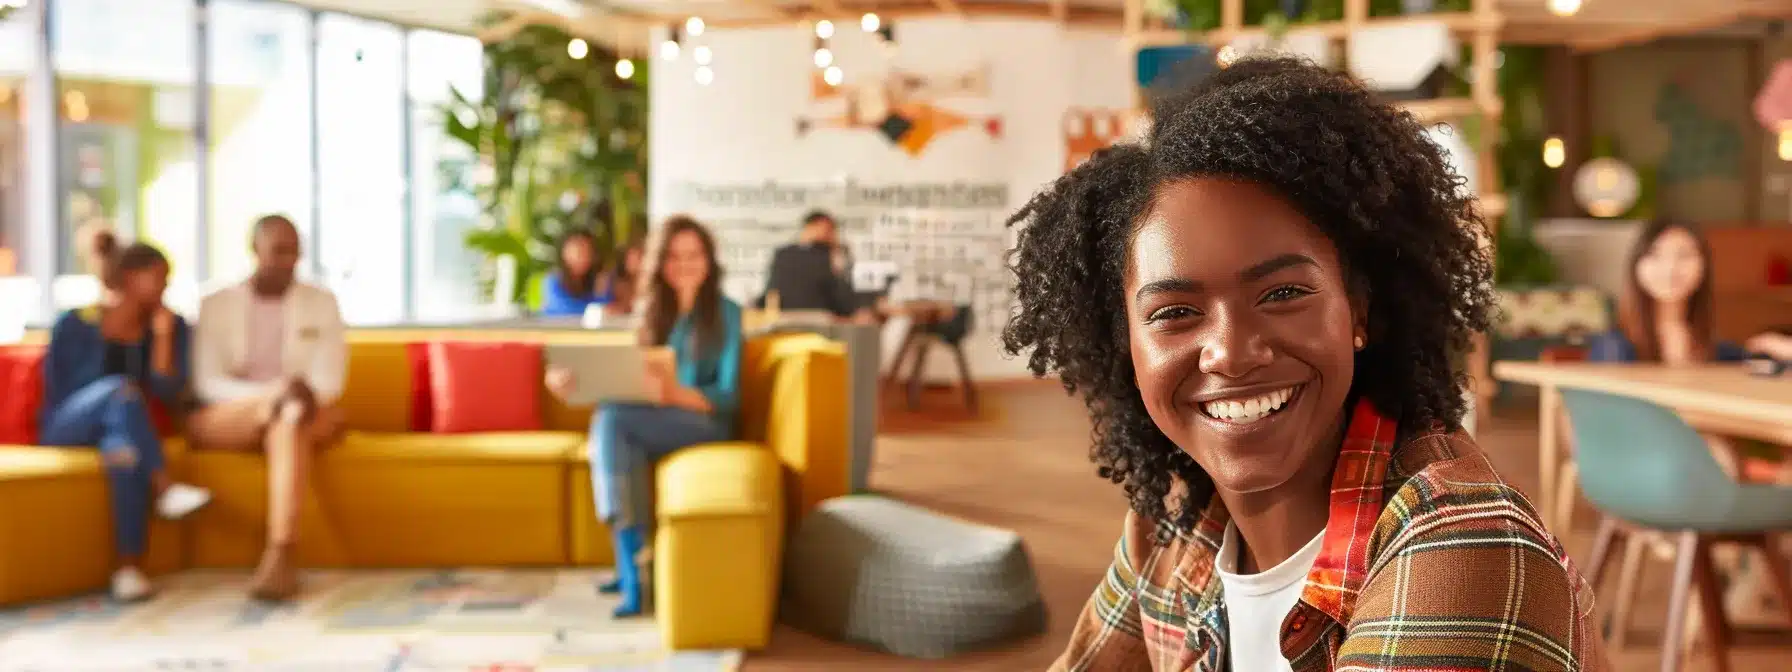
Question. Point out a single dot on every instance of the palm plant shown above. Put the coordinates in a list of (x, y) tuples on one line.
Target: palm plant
[(561, 142)]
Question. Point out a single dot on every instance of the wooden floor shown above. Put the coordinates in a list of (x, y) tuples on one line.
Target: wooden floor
[(1023, 465)]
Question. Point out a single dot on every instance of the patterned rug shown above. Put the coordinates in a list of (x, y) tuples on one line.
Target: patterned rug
[(384, 621)]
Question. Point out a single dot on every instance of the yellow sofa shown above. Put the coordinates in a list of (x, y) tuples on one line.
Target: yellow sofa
[(389, 497)]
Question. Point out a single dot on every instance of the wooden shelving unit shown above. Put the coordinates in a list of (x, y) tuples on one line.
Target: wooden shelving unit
[(1479, 28)]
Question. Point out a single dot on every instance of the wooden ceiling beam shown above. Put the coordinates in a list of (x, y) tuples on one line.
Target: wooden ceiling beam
[(1692, 22), (949, 7), (1060, 10), (829, 7), (1080, 17)]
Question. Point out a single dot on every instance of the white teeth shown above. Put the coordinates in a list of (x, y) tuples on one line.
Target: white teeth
[(1250, 409)]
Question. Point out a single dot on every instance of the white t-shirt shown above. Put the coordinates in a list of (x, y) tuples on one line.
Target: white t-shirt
[(1257, 603)]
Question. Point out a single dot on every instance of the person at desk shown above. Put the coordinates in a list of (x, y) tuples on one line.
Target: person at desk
[(270, 360), (696, 394), (1666, 315), (107, 365), (812, 273), (1666, 311)]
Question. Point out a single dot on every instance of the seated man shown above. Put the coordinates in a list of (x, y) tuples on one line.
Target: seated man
[(812, 274), (270, 357)]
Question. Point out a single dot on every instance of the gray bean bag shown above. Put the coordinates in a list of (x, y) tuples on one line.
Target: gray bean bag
[(885, 574)]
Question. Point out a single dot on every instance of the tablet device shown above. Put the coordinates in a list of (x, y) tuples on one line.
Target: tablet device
[(605, 373)]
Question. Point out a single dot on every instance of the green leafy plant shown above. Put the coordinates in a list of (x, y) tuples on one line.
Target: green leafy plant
[(1519, 260), (561, 145)]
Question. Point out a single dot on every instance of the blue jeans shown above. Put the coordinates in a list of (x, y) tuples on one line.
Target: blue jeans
[(627, 440), (110, 413)]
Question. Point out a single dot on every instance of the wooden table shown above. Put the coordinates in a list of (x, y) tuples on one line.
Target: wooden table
[(1714, 398)]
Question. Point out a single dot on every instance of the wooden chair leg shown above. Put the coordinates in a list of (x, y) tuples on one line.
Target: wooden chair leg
[(1568, 480), (1609, 534), (917, 368), (1715, 626), (902, 353), (1673, 637), (1618, 631), (1773, 559), (964, 377)]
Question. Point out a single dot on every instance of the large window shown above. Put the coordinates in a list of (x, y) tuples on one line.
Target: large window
[(161, 131), (125, 75), (19, 296), (18, 40), (443, 206), (361, 125), (260, 121)]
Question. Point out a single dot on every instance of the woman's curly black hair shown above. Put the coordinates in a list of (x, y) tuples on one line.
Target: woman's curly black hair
[(1363, 172)]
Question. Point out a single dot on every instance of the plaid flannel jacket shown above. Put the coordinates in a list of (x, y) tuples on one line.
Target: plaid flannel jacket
[(1430, 562)]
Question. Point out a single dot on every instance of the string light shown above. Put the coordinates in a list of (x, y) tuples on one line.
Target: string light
[(669, 50), (700, 55), (824, 57), (824, 29), (833, 76), (1564, 7), (704, 75), (693, 26), (577, 48), (625, 68), (1555, 153), (869, 22), (1786, 141)]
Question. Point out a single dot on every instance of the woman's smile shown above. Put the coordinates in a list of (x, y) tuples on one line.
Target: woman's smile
[(1245, 407)]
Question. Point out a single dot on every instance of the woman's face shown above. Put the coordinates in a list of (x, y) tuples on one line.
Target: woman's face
[(1242, 330), (687, 264), (144, 286), (576, 255), (1672, 268)]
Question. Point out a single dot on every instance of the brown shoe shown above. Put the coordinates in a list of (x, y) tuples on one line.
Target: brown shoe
[(275, 578)]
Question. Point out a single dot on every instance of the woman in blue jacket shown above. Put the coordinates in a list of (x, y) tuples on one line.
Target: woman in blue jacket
[(698, 395), (572, 287), (103, 361)]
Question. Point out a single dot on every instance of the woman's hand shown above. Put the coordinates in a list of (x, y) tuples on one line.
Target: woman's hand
[(162, 322), (161, 354), (559, 381), (662, 382), (1777, 346)]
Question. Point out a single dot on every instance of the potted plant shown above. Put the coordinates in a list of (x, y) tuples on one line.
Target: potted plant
[(561, 145)]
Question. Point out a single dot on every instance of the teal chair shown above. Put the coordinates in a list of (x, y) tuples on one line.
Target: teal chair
[(1644, 468)]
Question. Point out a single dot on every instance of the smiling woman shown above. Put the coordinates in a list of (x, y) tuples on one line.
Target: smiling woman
[(1281, 276)]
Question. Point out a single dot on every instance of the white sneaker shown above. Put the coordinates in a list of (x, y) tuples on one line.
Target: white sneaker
[(181, 499), (129, 585)]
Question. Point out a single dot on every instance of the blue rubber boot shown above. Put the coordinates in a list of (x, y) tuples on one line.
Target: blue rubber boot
[(629, 543)]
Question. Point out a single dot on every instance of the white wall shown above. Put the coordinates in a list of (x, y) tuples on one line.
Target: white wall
[(730, 152)]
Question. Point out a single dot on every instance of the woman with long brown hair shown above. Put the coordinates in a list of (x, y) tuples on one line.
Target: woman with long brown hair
[(696, 395), (107, 367), (1665, 313)]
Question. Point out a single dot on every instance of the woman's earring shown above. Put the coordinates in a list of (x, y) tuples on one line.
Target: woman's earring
[(1359, 342)]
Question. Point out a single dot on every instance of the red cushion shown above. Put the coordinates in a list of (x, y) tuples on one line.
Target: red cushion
[(485, 387), (21, 374), (423, 408)]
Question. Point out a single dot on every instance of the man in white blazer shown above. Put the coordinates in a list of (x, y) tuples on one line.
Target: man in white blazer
[(269, 359)]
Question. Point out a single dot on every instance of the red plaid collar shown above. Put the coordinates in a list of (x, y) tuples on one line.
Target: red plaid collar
[(1358, 483)]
